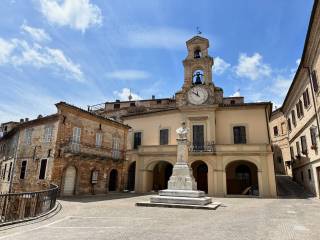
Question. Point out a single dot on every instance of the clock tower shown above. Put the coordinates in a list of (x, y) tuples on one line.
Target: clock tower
[(198, 87)]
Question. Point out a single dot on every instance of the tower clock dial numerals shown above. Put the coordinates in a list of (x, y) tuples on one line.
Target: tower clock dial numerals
[(197, 95)]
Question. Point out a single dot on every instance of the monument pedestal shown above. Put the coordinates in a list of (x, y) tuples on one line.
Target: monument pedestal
[(182, 188)]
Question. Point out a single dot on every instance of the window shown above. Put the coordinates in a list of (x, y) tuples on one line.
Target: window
[(164, 136), (239, 135), (4, 172), (9, 173), (136, 140), (299, 109), (315, 81), (283, 126), (275, 131), (313, 135), (158, 101), (116, 148), (49, 153), (306, 99), (98, 139), (23, 169), (198, 137), (292, 153), (309, 174), (197, 53), (293, 116), (48, 134), (28, 136), (304, 146), (76, 139), (232, 102), (289, 124), (43, 168), (132, 104), (298, 148), (116, 106), (301, 174)]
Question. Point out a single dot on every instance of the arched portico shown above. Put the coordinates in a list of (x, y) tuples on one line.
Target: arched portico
[(200, 173), (242, 178), (131, 176)]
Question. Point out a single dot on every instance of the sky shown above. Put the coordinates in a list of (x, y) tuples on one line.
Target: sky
[(87, 52)]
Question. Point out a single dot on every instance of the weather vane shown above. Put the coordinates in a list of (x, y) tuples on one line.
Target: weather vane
[(198, 31)]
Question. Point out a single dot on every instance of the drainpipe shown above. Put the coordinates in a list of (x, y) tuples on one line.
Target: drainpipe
[(314, 99)]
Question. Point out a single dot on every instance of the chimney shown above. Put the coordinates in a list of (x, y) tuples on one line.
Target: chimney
[(21, 120), (39, 116), (26, 119), (117, 100), (153, 97)]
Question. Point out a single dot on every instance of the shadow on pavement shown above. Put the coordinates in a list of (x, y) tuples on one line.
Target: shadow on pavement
[(288, 189), (102, 197)]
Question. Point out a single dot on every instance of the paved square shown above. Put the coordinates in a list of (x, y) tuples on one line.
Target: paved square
[(116, 217)]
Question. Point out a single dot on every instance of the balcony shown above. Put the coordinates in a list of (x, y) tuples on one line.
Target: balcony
[(205, 147), (92, 151)]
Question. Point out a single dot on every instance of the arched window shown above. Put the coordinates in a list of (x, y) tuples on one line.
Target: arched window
[(198, 77), (197, 53)]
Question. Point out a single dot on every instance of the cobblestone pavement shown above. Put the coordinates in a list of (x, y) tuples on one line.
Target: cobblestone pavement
[(115, 216)]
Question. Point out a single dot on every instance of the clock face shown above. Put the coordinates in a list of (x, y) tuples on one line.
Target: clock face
[(197, 95)]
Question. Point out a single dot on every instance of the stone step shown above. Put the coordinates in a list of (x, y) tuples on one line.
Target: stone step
[(181, 200), (182, 193)]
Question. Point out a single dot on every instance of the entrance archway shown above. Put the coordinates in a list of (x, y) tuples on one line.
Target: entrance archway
[(131, 176), (242, 178), (69, 181), (113, 180), (161, 175), (200, 173)]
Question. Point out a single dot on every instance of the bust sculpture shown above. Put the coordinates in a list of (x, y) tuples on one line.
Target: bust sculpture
[(182, 131)]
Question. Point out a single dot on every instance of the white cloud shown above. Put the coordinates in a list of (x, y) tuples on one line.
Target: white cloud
[(37, 34), (298, 61), (281, 85), (236, 94), (220, 66), (78, 14), (6, 48), (252, 67), (19, 52), (167, 38), (124, 95), (128, 74)]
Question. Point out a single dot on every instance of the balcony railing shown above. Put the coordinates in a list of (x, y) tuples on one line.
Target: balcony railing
[(205, 147), (15, 207), (92, 150)]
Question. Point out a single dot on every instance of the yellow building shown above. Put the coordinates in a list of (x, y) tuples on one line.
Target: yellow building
[(230, 151)]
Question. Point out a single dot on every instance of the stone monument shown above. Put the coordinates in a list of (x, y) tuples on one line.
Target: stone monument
[(182, 187)]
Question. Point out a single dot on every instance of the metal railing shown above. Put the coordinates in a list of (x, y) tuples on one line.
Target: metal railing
[(208, 146), (21, 206)]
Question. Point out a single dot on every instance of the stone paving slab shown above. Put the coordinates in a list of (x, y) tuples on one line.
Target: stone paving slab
[(212, 206), (116, 217)]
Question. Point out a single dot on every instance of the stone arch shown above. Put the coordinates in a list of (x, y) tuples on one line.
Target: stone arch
[(131, 176), (69, 180), (157, 174), (242, 178), (200, 173)]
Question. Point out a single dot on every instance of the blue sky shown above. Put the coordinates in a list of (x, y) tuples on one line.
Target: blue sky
[(91, 51)]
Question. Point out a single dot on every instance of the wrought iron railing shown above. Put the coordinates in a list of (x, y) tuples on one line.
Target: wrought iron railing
[(27, 205), (205, 147)]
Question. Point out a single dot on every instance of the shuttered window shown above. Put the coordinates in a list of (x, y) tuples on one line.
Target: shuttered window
[(43, 168), (116, 148), (98, 139), (315, 81), (164, 136), (23, 169), (293, 116), (304, 146), (292, 153), (239, 135), (313, 135), (48, 133), (28, 136), (298, 148), (289, 124), (306, 99), (76, 135), (275, 131), (9, 173), (299, 109), (136, 140)]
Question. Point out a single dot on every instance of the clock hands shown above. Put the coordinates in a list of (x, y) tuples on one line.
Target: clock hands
[(196, 93)]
